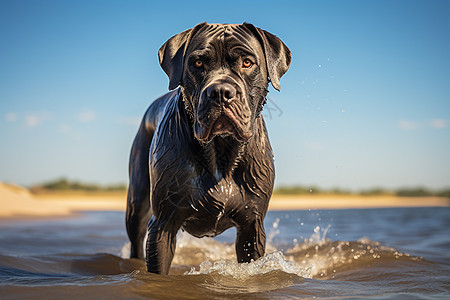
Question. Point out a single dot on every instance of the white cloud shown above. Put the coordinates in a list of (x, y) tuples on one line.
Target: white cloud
[(438, 123), (408, 125), (11, 117), (32, 120), (35, 119), (415, 125), (86, 116)]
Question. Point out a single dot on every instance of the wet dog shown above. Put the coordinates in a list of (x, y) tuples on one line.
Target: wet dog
[(201, 160)]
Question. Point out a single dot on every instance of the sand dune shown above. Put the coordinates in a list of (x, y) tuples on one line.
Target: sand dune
[(17, 202)]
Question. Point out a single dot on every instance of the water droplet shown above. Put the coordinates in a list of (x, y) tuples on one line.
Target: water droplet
[(275, 224), (192, 205)]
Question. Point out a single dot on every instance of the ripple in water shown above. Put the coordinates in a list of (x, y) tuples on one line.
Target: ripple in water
[(69, 254)]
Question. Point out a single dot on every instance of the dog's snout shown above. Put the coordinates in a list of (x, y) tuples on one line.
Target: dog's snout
[(222, 92)]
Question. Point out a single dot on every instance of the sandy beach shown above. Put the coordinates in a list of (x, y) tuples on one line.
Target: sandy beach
[(18, 202), (298, 202)]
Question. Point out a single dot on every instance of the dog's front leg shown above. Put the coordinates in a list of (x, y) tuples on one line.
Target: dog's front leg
[(161, 242), (250, 241)]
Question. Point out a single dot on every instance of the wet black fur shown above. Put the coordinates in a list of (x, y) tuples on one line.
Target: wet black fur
[(205, 185)]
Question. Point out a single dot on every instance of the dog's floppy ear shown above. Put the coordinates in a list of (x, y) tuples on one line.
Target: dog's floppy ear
[(171, 55), (278, 55)]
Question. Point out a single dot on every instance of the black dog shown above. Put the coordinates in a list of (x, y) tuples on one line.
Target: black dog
[(201, 160)]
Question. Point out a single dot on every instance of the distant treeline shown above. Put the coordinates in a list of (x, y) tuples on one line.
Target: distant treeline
[(64, 184), (402, 192)]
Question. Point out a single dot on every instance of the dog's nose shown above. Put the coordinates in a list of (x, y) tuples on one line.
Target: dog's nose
[(222, 92)]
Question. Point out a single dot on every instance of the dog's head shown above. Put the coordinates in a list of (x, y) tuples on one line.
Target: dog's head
[(224, 71)]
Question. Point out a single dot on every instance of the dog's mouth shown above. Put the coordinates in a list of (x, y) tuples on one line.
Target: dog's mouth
[(224, 124)]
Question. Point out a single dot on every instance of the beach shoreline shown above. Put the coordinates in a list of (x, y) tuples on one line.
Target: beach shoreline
[(304, 202), (19, 203)]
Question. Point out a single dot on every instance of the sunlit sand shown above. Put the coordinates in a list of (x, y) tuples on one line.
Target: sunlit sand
[(298, 202), (18, 202)]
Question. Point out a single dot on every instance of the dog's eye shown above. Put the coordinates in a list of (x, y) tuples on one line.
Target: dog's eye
[(198, 64), (247, 63)]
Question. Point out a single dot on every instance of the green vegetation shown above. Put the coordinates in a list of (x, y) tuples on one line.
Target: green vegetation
[(403, 192), (64, 184), (414, 192), (444, 193), (295, 190), (422, 192), (311, 190), (376, 192)]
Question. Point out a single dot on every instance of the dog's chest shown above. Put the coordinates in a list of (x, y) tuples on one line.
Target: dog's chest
[(211, 212)]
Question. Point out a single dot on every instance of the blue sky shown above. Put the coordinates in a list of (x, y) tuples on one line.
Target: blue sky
[(366, 102)]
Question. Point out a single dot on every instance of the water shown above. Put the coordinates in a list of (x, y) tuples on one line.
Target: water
[(375, 253)]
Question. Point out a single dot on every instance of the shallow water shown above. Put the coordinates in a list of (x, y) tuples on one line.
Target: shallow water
[(338, 254)]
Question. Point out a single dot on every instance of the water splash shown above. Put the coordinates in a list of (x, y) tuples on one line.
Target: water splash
[(270, 262), (125, 251), (325, 258), (274, 261), (313, 257), (274, 231), (319, 236)]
